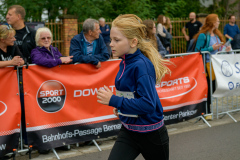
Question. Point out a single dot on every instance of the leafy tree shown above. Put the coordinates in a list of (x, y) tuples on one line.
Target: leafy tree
[(176, 8), (222, 7), (110, 9)]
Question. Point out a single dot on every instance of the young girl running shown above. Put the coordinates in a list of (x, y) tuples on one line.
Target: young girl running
[(136, 101)]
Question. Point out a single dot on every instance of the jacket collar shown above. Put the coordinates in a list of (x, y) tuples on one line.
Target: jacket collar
[(27, 29), (129, 58), (44, 48)]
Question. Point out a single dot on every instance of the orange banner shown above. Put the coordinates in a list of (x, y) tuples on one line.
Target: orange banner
[(181, 91), (10, 110), (66, 95), (61, 103)]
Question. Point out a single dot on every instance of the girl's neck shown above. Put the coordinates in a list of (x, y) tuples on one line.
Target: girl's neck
[(212, 33), (132, 50), (3, 47)]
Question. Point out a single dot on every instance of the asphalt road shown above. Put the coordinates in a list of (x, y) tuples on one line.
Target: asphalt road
[(216, 143)]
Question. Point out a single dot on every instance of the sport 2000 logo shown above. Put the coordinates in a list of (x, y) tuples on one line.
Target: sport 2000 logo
[(51, 96)]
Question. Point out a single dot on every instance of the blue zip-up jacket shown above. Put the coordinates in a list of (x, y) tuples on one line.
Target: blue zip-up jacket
[(137, 74), (78, 50), (105, 34)]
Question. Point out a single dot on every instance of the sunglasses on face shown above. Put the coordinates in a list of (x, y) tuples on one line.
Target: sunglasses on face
[(43, 38)]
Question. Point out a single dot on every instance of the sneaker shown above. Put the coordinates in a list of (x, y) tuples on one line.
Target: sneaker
[(208, 118)]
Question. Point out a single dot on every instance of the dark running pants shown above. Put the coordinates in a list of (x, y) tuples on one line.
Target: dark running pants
[(152, 145)]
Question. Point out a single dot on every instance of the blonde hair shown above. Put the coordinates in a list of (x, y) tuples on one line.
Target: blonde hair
[(131, 26), (39, 31), (5, 31)]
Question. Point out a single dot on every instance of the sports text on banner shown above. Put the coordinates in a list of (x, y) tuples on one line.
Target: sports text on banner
[(184, 92)]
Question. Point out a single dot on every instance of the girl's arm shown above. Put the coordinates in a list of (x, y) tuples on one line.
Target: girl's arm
[(145, 102), (5, 64), (14, 62)]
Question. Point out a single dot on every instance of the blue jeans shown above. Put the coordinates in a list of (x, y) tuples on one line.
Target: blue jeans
[(152, 145)]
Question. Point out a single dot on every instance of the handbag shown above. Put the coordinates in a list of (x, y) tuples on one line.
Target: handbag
[(208, 71)]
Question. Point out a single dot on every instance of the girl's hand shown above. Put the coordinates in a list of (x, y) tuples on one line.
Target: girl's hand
[(216, 46), (66, 60), (104, 96), (115, 111), (16, 61)]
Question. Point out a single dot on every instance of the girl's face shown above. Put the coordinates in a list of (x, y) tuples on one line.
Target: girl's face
[(154, 29), (216, 24), (120, 45)]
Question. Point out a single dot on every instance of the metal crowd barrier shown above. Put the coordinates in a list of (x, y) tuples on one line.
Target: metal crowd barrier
[(226, 105), (202, 117), (220, 106), (27, 150)]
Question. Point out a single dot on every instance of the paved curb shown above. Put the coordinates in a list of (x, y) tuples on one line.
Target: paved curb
[(107, 143)]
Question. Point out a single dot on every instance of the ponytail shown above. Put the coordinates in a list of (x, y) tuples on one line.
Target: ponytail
[(152, 54)]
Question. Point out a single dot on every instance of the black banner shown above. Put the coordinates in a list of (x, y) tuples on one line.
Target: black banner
[(8, 143), (59, 136), (184, 113)]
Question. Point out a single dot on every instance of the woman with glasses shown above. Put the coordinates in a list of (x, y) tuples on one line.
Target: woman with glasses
[(45, 54), (10, 54), (209, 38)]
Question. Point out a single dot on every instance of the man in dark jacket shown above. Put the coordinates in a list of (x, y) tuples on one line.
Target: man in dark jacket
[(105, 32), (89, 46), (25, 36)]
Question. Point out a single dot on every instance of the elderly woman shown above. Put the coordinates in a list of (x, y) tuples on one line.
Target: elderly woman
[(10, 54), (45, 54)]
